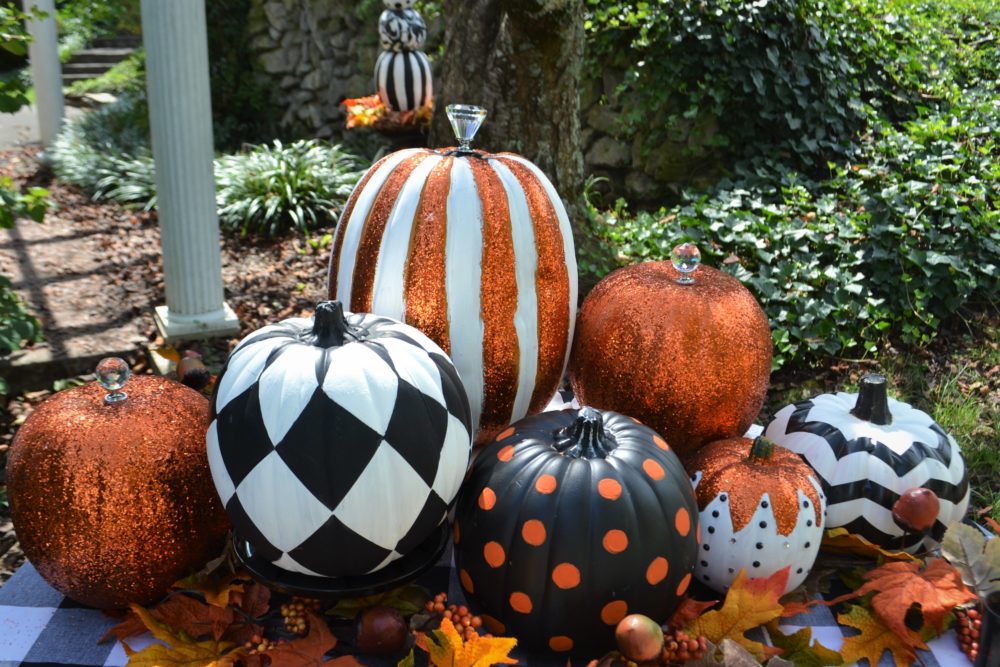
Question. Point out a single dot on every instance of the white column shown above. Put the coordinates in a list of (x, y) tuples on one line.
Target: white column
[(46, 71), (180, 117)]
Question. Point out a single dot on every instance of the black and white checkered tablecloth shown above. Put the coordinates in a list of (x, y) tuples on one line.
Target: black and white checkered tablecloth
[(39, 627)]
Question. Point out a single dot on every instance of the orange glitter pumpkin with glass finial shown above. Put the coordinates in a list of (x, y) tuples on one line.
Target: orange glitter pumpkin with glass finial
[(761, 510), (687, 353)]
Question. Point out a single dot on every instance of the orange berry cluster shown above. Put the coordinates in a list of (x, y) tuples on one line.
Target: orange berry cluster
[(294, 614), (259, 644), (968, 623), (679, 646), (466, 623)]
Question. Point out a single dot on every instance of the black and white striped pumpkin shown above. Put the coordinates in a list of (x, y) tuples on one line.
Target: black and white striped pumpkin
[(403, 80), (475, 250), (338, 443), (398, 4), (867, 450), (401, 30)]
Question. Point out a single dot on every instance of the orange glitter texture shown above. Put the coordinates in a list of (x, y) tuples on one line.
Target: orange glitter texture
[(690, 361), (726, 468), (113, 503)]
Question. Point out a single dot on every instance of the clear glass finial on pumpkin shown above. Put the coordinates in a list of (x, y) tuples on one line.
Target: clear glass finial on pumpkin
[(685, 257), (112, 373), (465, 121)]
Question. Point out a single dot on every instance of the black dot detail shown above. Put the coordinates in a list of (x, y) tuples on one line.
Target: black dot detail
[(756, 563), (705, 577), (731, 570), (763, 524), (715, 514), (798, 571), (805, 503), (704, 563), (809, 523), (763, 504), (711, 530), (807, 544), (722, 497), (760, 545), (705, 547)]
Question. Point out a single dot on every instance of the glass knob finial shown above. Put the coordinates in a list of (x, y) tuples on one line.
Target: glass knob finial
[(112, 373), (465, 121), (685, 258)]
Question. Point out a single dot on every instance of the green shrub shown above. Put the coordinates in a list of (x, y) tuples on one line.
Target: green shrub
[(272, 189), (902, 237), (127, 76)]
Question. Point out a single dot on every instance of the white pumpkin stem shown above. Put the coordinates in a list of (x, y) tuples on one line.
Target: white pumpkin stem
[(873, 400), (330, 327), (585, 438)]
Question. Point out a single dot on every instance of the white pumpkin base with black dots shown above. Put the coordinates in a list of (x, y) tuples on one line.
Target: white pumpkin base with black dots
[(758, 548)]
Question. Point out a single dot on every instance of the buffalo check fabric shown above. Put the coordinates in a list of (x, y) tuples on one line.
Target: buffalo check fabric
[(41, 628)]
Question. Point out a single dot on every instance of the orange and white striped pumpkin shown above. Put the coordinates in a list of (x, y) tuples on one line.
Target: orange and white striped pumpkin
[(476, 251)]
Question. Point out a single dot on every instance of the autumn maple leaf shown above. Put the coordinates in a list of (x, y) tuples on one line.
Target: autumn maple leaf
[(447, 649), (840, 541), (748, 604), (937, 589), (800, 649), (687, 611), (308, 651), (875, 639), (180, 648)]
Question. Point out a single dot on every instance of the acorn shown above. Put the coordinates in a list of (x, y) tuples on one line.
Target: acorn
[(381, 631), (639, 638), (916, 510)]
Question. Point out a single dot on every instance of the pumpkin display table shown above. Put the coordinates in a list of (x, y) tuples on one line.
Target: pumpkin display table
[(38, 626)]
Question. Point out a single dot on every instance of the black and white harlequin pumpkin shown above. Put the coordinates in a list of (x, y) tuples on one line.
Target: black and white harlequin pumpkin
[(398, 4), (762, 510), (571, 520), (401, 30), (867, 450), (338, 443), (403, 80)]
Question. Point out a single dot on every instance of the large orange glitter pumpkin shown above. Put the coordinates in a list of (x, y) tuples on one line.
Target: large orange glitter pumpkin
[(762, 510), (114, 501), (690, 360), (476, 251)]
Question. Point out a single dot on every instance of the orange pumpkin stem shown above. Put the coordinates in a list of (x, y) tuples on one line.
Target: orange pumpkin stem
[(761, 449), (586, 437)]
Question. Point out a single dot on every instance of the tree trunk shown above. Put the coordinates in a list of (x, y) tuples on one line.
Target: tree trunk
[(520, 59)]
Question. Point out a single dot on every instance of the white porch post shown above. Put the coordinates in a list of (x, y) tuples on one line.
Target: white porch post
[(180, 117), (46, 71)]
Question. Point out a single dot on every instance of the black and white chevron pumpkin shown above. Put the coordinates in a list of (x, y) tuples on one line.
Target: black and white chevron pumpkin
[(338, 443), (867, 449), (403, 80), (398, 4), (401, 30)]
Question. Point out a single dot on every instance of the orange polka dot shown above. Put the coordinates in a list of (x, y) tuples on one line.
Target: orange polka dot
[(494, 554), (613, 612), (466, 580), (455, 531), (487, 499), (493, 625), (615, 541), (683, 586), (653, 469), (520, 602), (533, 532), (682, 522), (546, 484), (657, 571), (561, 644), (506, 433), (609, 488), (566, 575), (506, 454), (661, 443)]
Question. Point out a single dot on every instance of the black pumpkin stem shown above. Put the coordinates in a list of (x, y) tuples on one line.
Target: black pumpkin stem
[(761, 449), (585, 438), (330, 327), (873, 401)]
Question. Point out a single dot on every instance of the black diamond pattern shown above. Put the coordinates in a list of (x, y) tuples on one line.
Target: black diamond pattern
[(335, 550)]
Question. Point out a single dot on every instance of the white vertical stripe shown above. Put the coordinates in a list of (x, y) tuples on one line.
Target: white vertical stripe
[(525, 268), (356, 224), (463, 280), (393, 256), (568, 247), (398, 76)]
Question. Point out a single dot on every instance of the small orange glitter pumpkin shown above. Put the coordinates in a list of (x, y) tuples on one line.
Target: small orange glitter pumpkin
[(690, 358), (761, 510), (111, 496)]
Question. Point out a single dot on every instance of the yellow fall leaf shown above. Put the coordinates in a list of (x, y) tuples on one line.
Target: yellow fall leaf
[(447, 649), (875, 639), (181, 649)]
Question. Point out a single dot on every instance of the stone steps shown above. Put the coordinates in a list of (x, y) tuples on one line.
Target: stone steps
[(98, 58)]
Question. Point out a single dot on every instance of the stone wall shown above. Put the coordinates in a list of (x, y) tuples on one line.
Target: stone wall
[(319, 52)]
